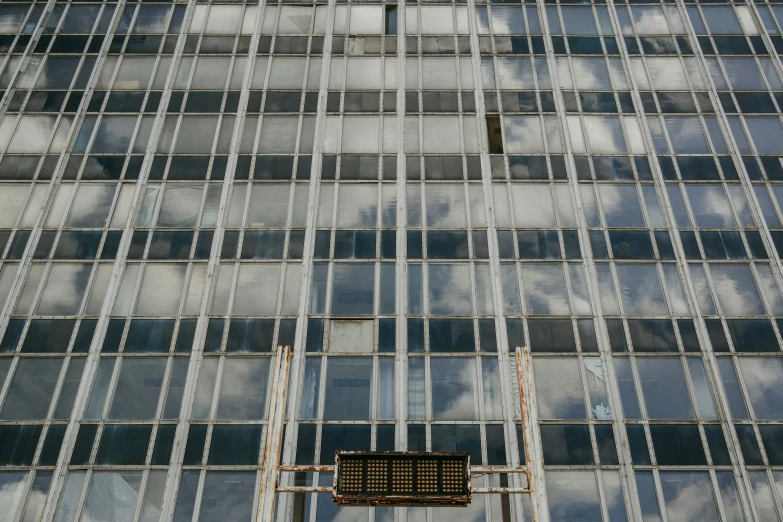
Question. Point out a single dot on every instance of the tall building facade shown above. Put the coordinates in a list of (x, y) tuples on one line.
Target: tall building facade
[(403, 193)]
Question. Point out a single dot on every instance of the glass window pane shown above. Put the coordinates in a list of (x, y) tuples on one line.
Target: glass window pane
[(243, 389), (138, 389), (688, 495), (640, 289), (112, 496), (736, 290), (353, 289), (663, 385), (181, 205), (545, 289), (764, 382), (449, 288), (572, 495), (348, 386), (454, 384), (228, 495), (31, 389), (559, 388), (64, 289), (161, 289)]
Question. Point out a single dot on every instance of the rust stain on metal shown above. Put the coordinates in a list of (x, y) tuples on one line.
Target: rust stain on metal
[(272, 446), (525, 368), (309, 468)]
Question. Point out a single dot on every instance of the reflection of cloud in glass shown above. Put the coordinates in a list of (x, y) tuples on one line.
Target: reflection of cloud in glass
[(454, 388), (649, 20), (257, 286), (449, 289), (621, 205), (559, 388), (523, 134), (686, 134), (667, 73), (506, 20), (65, 289), (161, 289), (590, 73), (533, 206), (545, 289), (764, 379), (358, 206), (572, 495), (688, 496), (640, 289), (736, 290), (710, 206), (604, 134), (515, 73), (445, 206), (11, 489)]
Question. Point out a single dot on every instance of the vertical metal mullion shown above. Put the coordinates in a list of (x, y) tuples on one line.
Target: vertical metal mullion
[(82, 396), (627, 478), (401, 293), (682, 264), (289, 423), (213, 265), (532, 437)]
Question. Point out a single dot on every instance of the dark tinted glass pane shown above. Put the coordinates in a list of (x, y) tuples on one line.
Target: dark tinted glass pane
[(124, 444), (343, 437), (164, 441), (48, 336), (638, 442), (607, 449), (315, 335), (447, 244), (677, 445), (752, 335), (452, 335), (384, 437), (52, 443), (631, 244), (149, 335), (305, 444), (551, 335), (83, 446), (234, 444), (194, 449), (415, 335), (652, 335), (717, 444), (566, 444), (458, 437), (487, 338), (18, 444), (250, 335), (749, 445), (417, 437), (496, 445), (387, 329), (185, 335)]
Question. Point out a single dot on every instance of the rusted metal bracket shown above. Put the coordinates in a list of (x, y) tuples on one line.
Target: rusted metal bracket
[(474, 472)]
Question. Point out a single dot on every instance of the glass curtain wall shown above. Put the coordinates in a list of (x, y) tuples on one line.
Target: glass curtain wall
[(403, 193)]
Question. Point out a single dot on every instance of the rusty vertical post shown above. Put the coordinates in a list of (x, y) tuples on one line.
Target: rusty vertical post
[(267, 488), (523, 357)]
